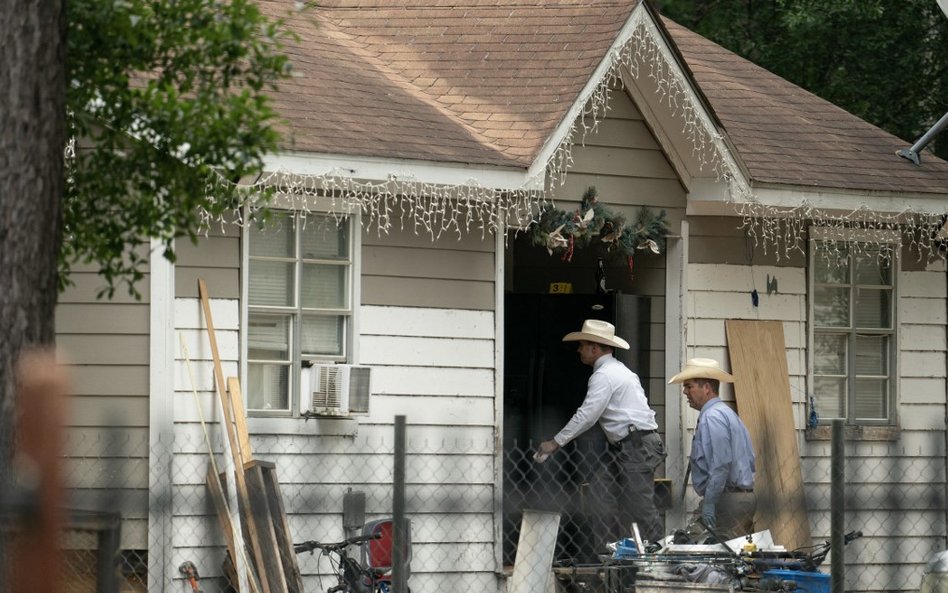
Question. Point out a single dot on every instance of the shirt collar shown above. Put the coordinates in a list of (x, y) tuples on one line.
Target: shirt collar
[(602, 360), (707, 405)]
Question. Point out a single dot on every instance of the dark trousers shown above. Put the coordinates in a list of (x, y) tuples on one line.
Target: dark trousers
[(623, 489)]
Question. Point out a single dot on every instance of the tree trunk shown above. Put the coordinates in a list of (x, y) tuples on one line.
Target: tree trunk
[(32, 141)]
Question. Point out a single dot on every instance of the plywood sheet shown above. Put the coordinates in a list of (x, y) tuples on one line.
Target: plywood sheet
[(762, 389)]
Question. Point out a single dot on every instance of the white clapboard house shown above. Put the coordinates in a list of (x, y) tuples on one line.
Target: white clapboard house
[(418, 136)]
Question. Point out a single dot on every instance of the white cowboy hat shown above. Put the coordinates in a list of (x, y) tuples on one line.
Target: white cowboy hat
[(600, 332), (702, 368)]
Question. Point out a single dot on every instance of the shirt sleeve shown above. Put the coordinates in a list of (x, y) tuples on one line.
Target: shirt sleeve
[(598, 392), (719, 456)]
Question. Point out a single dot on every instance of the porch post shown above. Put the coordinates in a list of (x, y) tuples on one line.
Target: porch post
[(160, 418), (676, 291)]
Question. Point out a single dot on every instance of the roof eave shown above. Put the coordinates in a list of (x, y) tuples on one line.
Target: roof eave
[(384, 169), (713, 199)]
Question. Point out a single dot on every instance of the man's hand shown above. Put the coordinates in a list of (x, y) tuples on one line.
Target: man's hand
[(544, 451), (707, 517)]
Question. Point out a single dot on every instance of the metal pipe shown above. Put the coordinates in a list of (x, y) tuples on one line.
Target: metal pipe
[(912, 153), (399, 547), (837, 510)]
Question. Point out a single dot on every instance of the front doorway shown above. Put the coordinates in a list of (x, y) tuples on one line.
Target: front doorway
[(544, 383)]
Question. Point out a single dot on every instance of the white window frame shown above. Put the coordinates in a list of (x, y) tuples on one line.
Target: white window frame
[(282, 421), (820, 234)]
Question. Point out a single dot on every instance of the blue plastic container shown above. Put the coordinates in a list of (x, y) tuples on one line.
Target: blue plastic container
[(807, 582), (626, 548)]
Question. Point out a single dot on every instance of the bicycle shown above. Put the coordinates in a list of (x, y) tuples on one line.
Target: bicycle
[(352, 576), (806, 558)]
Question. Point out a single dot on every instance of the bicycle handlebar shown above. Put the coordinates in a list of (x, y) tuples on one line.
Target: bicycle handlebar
[(309, 546)]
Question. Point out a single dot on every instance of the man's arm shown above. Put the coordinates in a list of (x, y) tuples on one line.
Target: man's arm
[(597, 398), (719, 455)]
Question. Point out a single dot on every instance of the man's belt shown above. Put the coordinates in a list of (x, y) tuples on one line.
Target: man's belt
[(737, 489), (634, 433)]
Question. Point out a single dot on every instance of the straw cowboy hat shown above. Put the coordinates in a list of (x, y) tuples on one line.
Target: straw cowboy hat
[(600, 332), (702, 368)]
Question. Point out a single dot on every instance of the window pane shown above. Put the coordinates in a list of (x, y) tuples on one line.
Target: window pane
[(872, 355), (872, 268), (271, 283), (275, 239), (831, 263), (268, 387), (323, 335), (324, 287), (323, 238), (872, 399), (873, 308), (268, 337), (829, 394), (831, 307), (829, 356)]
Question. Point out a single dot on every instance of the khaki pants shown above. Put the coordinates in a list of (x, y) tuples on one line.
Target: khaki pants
[(734, 514)]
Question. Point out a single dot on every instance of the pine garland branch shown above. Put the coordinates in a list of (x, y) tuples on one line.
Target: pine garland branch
[(594, 225)]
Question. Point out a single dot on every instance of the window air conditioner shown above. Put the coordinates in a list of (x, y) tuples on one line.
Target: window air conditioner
[(335, 390)]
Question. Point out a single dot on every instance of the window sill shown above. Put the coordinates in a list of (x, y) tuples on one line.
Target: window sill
[(312, 426), (855, 433)]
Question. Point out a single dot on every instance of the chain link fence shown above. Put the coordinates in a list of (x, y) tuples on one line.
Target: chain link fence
[(466, 504)]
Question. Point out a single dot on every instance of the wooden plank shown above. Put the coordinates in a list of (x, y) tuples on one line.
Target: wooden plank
[(109, 412), (241, 484), (423, 292), (226, 281), (405, 380), (121, 380), (631, 161), (762, 390), (260, 507), (453, 412), (417, 262), (240, 419), (284, 537), (99, 318), (427, 352), (216, 491), (426, 322), (105, 349)]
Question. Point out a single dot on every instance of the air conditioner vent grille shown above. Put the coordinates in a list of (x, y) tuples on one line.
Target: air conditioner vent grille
[(335, 390)]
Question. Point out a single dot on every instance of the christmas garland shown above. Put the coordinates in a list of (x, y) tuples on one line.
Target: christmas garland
[(592, 224)]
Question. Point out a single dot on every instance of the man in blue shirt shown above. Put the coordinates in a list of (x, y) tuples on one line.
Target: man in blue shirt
[(722, 456), (615, 399)]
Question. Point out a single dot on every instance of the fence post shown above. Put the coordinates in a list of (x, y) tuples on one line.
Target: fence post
[(399, 551), (837, 510)]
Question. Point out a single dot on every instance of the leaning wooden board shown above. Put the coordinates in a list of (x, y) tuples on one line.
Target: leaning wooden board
[(762, 389)]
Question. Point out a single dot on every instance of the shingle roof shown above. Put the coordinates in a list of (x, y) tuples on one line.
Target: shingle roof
[(786, 135), (472, 81), (486, 82)]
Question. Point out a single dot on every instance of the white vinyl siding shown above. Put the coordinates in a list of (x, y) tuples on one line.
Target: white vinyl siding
[(895, 487)]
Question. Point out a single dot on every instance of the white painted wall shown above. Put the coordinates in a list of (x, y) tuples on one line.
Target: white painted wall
[(896, 489), (434, 366)]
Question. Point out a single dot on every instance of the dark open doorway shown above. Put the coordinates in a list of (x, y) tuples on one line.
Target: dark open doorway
[(544, 383)]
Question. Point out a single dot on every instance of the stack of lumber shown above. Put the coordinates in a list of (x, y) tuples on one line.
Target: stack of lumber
[(266, 549)]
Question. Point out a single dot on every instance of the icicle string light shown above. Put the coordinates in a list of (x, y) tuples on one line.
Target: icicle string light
[(450, 211)]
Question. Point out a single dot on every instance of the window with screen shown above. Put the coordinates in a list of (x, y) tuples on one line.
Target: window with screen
[(299, 304), (854, 331)]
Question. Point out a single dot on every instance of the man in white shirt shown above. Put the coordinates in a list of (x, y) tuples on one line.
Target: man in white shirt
[(616, 401)]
